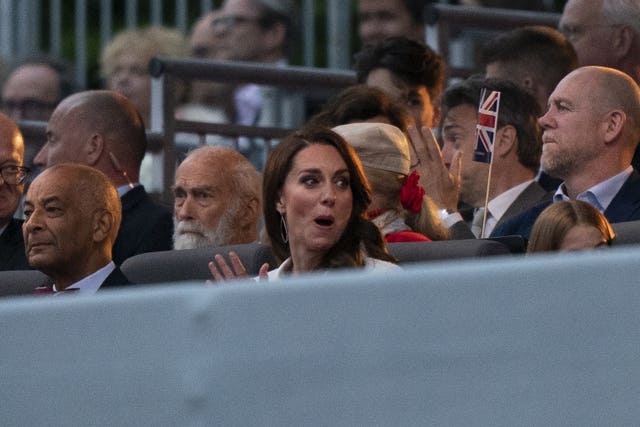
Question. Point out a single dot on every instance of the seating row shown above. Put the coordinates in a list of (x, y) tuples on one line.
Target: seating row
[(188, 265), (191, 264)]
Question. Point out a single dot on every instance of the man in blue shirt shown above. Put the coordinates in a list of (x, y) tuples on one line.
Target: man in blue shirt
[(590, 132)]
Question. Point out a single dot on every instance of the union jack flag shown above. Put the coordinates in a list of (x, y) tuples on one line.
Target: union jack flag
[(487, 123)]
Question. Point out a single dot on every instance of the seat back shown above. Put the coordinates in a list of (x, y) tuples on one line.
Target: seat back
[(20, 282), (412, 252), (627, 233), (191, 264)]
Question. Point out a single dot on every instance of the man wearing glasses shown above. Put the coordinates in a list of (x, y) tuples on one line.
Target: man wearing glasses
[(254, 30), (12, 178), (604, 32), (32, 91), (259, 31)]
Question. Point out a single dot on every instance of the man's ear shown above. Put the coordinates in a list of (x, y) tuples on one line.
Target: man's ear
[(613, 124), (528, 83), (506, 141), (251, 214), (94, 149), (102, 225), (622, 41)]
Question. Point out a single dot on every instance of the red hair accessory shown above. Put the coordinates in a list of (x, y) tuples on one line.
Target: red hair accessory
[(411, 193)]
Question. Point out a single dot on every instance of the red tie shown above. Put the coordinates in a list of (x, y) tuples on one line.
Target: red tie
[(45, 290)]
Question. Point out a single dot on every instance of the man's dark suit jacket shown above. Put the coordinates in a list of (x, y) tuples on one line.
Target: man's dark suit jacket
[(146, 226), (625, 206), (12, 255), (531, 196), (115, 279)]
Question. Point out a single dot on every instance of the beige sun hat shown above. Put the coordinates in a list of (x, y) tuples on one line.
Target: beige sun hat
[(379, 146)]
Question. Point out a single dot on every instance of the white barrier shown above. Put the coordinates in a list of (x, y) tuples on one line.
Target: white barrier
[(546, 340)]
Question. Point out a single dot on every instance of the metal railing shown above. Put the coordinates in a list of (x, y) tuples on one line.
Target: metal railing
[(21, 33), (35, 132), (68, 23), (166, 71), (449, 19), (444, 19)]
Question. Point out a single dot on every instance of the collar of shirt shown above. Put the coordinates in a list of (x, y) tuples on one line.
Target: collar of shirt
[(4, 227), (248, 102), (90, 284), (601, 194), (124, 189)]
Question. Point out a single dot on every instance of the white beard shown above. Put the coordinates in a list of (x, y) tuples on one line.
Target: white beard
[(192, 235)]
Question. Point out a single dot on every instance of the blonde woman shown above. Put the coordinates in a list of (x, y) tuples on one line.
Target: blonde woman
[(399, 206), (124, 62)]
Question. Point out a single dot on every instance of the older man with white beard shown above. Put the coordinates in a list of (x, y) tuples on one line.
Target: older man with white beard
[(217, 195)]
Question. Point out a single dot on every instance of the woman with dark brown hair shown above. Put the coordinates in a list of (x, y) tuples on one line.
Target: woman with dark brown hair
[(361, 103), (315, 200)]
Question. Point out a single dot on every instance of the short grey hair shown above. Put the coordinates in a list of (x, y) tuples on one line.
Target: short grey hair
[(625, 12)]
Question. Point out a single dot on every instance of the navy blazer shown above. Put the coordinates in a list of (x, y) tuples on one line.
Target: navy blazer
[(625, 206), (114, 279), (146, 226), (12, 256)]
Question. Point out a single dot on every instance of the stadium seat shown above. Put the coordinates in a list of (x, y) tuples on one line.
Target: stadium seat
[(412, 252), (20, 282), (191, 264), (627, 233)]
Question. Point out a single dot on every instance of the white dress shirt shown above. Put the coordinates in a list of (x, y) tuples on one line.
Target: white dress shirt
[(90, 284), (371, 265)]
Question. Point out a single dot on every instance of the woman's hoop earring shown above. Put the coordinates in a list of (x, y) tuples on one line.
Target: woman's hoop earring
[(284, 233)]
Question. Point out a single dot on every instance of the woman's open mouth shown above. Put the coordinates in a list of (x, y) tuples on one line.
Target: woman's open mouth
[(324, 221)]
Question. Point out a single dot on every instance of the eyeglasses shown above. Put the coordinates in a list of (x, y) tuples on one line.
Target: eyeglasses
[(14, 175), (27, 105), (573, 32), (229, 21)]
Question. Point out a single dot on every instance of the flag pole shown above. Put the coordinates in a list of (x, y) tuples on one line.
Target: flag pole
[(486, 199)]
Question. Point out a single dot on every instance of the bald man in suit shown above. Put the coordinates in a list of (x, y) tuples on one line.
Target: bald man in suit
[(102, 129)]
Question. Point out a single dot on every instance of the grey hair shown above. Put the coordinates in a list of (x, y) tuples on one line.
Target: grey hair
[(622, 12)]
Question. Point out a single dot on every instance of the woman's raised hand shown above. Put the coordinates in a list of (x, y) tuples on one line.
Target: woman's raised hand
[(222, 271)]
